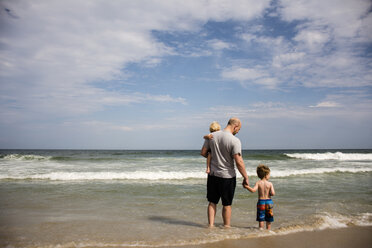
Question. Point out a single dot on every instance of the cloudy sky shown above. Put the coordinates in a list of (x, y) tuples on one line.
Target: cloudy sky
[(154, 74)]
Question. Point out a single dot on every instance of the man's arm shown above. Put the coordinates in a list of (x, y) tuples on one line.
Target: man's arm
[(241, 167)]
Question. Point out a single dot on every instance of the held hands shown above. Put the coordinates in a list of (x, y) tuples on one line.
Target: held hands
[(245, 183)]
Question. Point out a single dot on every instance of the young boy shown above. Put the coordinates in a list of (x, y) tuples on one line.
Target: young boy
[(265, 191), (214, 127)]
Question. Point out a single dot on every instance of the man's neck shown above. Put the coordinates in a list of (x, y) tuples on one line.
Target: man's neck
[(228, 129)]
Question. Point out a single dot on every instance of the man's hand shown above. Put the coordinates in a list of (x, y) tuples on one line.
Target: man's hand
[(245, 182), (208, 136)]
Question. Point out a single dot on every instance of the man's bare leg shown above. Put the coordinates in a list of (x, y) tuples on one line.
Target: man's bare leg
[(226, 215), (212, 208), (261, 225)]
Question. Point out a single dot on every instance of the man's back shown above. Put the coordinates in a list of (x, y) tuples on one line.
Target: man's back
[(223, 146)]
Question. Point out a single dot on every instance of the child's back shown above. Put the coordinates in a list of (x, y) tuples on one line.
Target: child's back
[(265, 189)]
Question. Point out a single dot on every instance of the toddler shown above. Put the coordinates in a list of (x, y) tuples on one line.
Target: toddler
[(215, 126), (265, 191)]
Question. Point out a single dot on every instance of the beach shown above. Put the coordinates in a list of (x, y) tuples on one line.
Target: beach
[(115, 198), (340, 238)]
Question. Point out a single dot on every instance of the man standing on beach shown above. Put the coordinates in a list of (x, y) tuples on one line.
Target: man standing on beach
[(225, 148)]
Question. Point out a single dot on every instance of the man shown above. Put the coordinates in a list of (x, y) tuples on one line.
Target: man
[(225, 148)]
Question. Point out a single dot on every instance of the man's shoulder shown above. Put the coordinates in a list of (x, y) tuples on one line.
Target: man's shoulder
[(225, 135), (218, 134), (222, 133)]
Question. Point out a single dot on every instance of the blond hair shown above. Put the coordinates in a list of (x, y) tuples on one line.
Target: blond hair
[(262, 171), (215, 126)]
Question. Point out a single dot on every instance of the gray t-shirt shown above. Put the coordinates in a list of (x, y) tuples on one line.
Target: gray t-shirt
[(223, 147)]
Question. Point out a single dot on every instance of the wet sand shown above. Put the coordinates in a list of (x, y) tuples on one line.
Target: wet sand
[(337, 238)]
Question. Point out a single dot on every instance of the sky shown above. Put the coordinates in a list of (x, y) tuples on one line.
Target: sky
[(154, 74)]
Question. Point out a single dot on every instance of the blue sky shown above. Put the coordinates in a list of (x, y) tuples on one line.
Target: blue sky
[(155, 74)]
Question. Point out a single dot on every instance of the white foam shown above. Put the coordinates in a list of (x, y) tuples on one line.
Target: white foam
[(159, 175), (333, 221), (328, 221), (332, 156), (26, 157), (286, 173), (138, 175)]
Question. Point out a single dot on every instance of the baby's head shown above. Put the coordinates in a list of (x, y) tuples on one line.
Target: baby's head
[(214, 127), (262, 171)]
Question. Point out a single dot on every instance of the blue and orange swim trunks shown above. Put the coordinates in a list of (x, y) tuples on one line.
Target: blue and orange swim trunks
[(265, 210)]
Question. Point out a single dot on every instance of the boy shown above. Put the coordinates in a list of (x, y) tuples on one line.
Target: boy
[(265, 191), (214, 127)]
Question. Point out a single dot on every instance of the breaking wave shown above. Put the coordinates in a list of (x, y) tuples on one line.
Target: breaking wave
[(163, 175), (332, 156), (26, 157)]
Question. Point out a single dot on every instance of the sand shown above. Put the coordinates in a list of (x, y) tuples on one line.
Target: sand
[(338, 238)]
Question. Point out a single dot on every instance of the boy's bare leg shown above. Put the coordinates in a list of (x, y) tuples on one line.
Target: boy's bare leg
[(212, 208), (268, 225), (226, 215)]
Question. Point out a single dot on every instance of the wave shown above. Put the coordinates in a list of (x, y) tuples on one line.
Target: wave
[(139, 175), (304, 172), (99, 158), (332, 156), (328, 221), (162, 175), (34, 157), (26, 157)]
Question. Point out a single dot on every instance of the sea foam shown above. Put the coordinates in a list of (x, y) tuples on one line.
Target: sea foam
[(287, 173), (136, 175), (332, 156), (164, 175), (26, 157)]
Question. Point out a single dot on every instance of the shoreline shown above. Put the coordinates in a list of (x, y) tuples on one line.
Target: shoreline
[(355, 236)]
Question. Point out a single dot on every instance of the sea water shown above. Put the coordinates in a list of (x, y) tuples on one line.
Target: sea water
[(113, 198)]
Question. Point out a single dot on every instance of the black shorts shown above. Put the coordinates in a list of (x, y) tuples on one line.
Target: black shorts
[(223, 188)]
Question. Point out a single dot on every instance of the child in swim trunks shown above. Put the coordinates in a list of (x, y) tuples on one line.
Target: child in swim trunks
[(265, 191), (214, 127)]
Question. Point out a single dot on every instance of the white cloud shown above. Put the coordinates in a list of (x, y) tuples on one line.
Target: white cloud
[(248, 76), (287, 58), (243, 74), (52, 49), (313, 39), (327, 104), (325, 50), (272, 44), (57, 56), (342, 16), (219, 45)]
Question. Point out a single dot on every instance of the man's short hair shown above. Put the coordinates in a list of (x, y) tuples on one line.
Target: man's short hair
[(234, 122)]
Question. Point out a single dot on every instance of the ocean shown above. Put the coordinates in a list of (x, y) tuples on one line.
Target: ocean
[(141, 198)]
